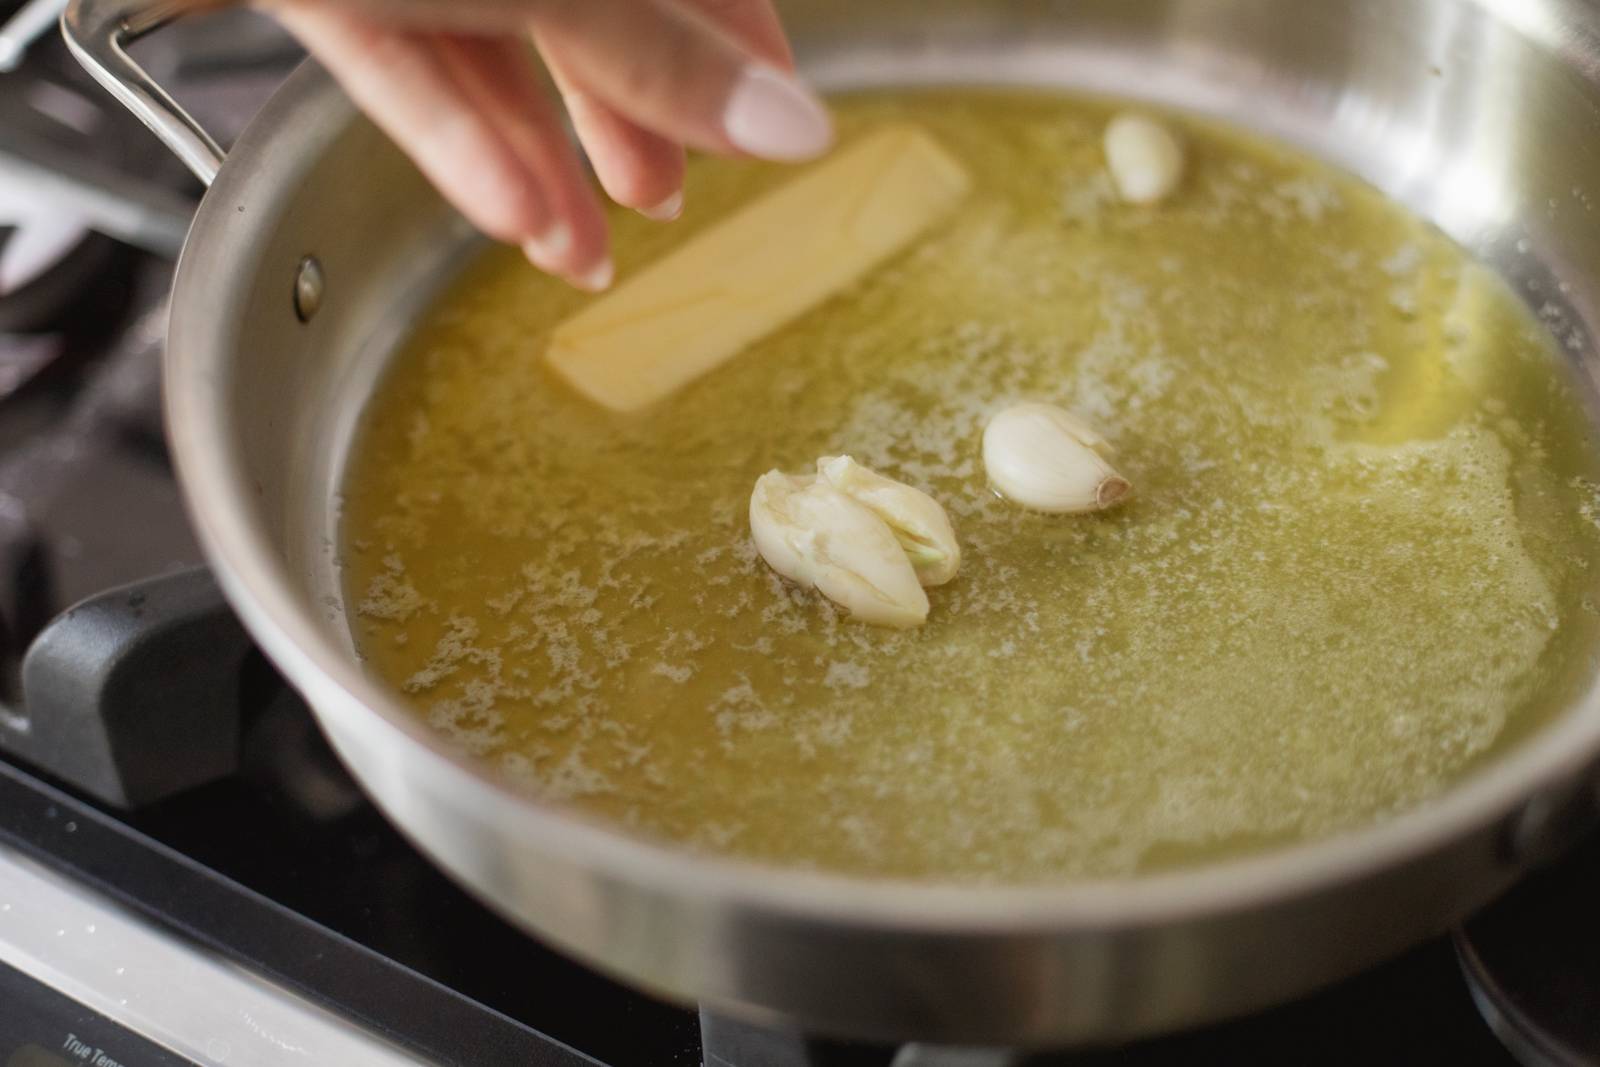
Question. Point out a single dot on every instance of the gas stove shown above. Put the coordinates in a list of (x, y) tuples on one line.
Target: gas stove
[(188, 876)]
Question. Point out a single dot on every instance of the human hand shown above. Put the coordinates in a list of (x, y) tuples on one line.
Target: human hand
[(454, 83)]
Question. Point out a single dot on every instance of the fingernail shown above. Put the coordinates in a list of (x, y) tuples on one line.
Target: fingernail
[(771, 115), (548, 249), (667, 210), (597, 280)]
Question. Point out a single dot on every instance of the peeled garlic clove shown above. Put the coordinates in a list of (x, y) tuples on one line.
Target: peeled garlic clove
[(815, 535), (1044, 458), (917, 520), (1145, 158)]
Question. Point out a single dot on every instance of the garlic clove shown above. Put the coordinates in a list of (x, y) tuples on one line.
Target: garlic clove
[(1044, 458), (917, 520), (1085, 434), (1144, 156), (813, 534)]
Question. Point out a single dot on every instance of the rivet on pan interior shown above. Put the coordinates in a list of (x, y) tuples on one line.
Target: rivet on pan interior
[(308, 288)]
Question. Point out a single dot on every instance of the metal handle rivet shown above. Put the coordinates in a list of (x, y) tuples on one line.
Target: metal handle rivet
[(308, 288)]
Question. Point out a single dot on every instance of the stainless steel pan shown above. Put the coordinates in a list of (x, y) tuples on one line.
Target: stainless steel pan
[(318, 242)]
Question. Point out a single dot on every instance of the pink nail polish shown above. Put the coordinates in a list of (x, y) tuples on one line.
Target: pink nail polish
[(771, 115), (597, 280), (667, 210), (547, 250)]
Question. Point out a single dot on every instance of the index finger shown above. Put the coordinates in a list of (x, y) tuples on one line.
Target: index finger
[(753, 23), (670, 69)]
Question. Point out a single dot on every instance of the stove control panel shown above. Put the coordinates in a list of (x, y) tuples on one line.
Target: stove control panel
[(88, 982), (40, 1027)]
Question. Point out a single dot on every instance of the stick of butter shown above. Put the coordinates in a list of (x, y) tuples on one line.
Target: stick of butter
[(757, 270)]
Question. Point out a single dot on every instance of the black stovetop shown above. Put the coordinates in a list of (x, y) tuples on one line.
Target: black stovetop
[(286, 867)]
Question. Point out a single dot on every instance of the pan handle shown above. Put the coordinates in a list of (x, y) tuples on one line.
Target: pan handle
[(97, 32)]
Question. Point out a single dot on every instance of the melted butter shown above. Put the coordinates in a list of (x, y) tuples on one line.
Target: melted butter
[(1357, 566)]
